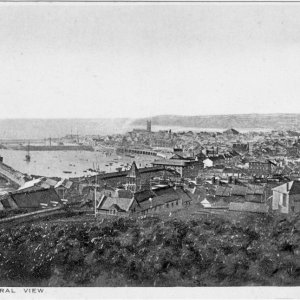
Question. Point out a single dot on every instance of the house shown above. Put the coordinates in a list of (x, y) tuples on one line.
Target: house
[(241, 193), (262, 168), (286, 197), (186, 168), (116, 206), (31, 200), (62, 187), (231, 172), (218, 160), (206, 203), (164, 198), (207, 163)]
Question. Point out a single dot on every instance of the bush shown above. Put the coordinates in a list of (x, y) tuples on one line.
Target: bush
[(153, 252)]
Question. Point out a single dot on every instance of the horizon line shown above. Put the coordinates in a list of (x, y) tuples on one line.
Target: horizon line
[(147, 117)]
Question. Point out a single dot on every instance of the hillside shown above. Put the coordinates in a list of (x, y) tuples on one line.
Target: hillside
[(268, 121), (211, 251)]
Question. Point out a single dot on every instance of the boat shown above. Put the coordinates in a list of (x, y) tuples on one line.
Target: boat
[(27, 156)]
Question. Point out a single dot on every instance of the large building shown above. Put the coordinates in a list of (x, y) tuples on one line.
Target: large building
[(262, 168), (186, 168)]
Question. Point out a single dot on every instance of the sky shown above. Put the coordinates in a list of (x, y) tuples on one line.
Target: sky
[(96, 60)]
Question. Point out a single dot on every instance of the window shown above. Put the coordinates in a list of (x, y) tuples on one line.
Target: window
[(167, 205), (177, 202), (284, 198)]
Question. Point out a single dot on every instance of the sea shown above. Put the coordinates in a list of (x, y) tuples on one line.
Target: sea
[(66, 164)]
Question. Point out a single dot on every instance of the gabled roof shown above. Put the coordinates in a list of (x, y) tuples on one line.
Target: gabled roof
[(116, 207), (123, 203)]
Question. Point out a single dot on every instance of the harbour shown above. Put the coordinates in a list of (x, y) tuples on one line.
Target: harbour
[(67, 164)]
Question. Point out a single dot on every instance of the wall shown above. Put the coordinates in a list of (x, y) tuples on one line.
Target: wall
[(295, 201)]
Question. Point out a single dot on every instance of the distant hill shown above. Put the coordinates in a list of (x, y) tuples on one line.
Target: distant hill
[(45, 128), (270, 121)]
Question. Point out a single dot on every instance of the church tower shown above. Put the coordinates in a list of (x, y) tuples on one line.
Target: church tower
[(133, 179), (149, 125)]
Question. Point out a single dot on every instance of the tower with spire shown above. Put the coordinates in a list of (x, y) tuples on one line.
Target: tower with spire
[(133, 179)]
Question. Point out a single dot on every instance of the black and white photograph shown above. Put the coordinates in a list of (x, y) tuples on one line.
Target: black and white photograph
[(149, 145)]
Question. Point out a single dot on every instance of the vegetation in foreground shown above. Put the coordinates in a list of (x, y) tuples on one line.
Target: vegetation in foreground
[(211, 251)]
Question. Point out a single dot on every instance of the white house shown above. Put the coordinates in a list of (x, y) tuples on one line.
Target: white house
[(207, 163), (286, 197)]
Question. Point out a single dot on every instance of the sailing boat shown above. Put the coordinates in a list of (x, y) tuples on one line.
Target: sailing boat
[(27, 157)]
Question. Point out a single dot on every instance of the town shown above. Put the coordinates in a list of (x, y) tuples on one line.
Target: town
[(217, 172)]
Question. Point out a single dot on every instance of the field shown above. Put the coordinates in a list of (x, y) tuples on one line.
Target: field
[(212, 250)]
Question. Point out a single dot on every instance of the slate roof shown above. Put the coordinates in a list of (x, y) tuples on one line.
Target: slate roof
[(143, 195), (164, 190), (253, 189), (183, 195), (33, 199), (249, 207), (239, 190), (295, 190), (123, 203), (223, 191), (159, 200), (124, 193)]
